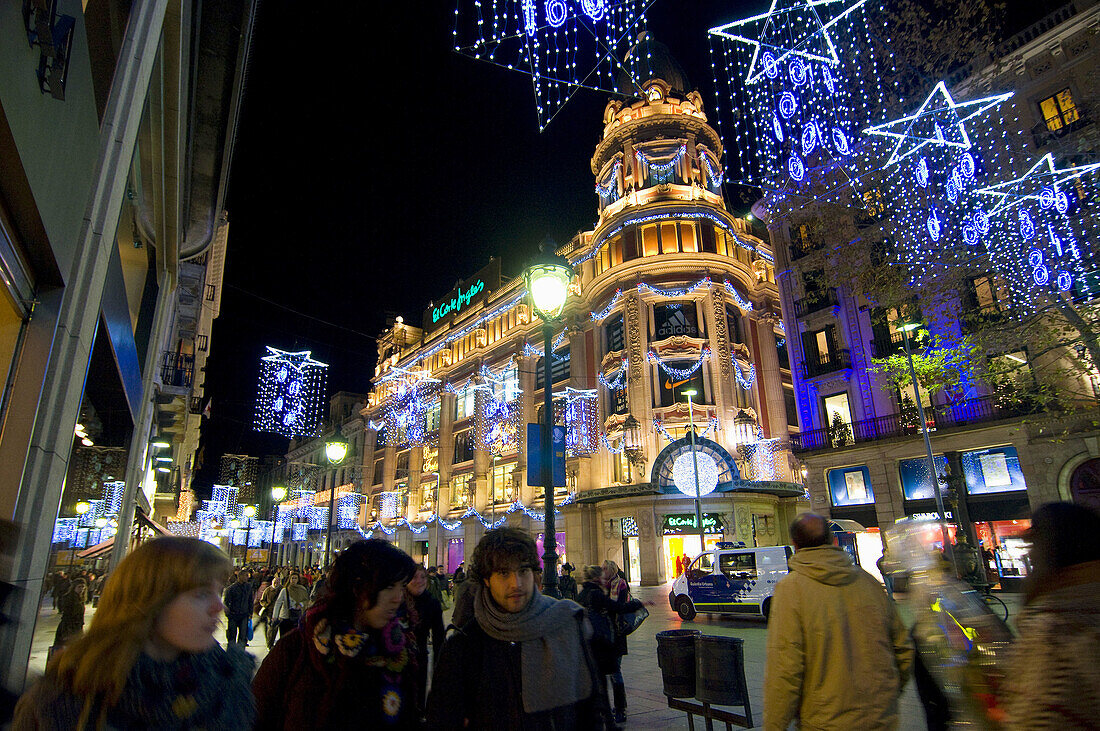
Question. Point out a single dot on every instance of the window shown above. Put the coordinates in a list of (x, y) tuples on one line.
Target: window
[(620, 465), (675, 318), (668, 239), (702, 566), (613, 332), (511, 382), (501, 486), (618, 402), (431, 419), (464, 446), (559, 367), (672, 388), (991, 293), (838, 404), (649, 241), (464, 403), (782, 352), (687, 237), (738, 565), (631, 250), (461, 496), (791, 405), (431, 460), (378, 471), (402, 469), (916, 480), (851, 486), (707, 239), (1059, 110), (1015, 369), (733, 324), (992, 470), (873, 202)]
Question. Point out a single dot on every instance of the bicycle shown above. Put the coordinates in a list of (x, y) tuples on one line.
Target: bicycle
[(995, 604)]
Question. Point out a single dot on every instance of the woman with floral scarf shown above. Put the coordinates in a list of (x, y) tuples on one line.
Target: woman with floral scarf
[(352, 663)]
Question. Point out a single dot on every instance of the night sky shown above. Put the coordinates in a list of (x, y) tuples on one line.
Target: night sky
[(373, 168)]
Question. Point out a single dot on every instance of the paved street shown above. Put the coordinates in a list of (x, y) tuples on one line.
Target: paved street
[(647, 707)]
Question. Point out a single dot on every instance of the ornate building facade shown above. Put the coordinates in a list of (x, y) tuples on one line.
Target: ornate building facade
[(672, 292)]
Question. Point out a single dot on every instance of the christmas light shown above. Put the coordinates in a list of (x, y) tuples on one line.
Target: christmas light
[(673, 292), (742, 380), (665, 216), (940, 120), (684, 471), (291, 393), (679, 374), (617, 380), (599, 316), (741, 302)]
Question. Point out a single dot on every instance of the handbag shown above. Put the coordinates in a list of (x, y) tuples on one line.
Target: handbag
[(632, 620), (250, 629)]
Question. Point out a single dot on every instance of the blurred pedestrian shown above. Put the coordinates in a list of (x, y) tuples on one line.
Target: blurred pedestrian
[(524, 661), (435, 586), (567, 585), (71, 607), (465, 594), (609, 640), (426, 621), (290, 604), (1053, 681), (838, 654), (352, 662), (149, 658), (238, 609), (267, 610), (460, 574)]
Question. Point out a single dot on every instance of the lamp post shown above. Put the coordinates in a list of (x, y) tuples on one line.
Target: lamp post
[(81, 507), (249, 513), (905, 330), (278, 494), (335, 451), (695, 466), (632, 444), (233, 526), (547, 283)]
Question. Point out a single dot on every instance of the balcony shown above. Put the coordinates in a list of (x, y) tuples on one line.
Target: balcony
[(964, 413), (816, 302), (177, 370), (885, 344), (826, 363)]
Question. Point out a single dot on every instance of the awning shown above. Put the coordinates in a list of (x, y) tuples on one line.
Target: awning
[(149, 522), (98, 550)]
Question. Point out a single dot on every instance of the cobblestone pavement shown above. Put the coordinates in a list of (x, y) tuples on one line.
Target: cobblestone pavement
[(647, 706)]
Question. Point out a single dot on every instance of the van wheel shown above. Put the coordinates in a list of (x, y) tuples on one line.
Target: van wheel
[(766, 609), (685, 609)]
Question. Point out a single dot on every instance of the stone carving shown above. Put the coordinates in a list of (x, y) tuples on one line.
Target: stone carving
[(718, 295), (634, 338), (645, 525)]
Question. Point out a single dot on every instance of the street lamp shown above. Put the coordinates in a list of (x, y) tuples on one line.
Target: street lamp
[(249, 512), (233, 526), (81, 508), (547, 283), (905, 329), (632, 444), (689, 392), (278, 494), (335, 451)]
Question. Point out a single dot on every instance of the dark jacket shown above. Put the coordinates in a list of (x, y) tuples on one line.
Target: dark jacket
[(238, 598), (298, 689), (567, 585), (429, 625), (605, 611), (477, 685)]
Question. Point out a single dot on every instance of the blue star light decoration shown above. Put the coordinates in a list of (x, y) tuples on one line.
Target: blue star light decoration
[(1042, 228), (563, 45), (807, 72), (291, 392), (939, 121), (930, 179)]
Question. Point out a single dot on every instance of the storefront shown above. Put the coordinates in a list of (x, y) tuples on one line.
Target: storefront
[(1004, 551), (851, 495), (681, 537), (560, 537), (632, 561), (456, 553)]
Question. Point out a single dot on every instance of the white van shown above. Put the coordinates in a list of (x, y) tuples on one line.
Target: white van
[(730, 579)]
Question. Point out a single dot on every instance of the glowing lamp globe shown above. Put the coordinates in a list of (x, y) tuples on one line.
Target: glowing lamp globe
[(683, 473), (249, 511), (548, 285), (82, 507), (278, 494), (335, 451)]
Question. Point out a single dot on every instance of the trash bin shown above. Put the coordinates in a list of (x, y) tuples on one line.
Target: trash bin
[(676, 657), (720, 670)]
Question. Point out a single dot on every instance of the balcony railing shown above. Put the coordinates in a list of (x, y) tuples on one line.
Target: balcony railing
[(826, 363), (886, 344), (971, 411), (815, 303), (177, 370)]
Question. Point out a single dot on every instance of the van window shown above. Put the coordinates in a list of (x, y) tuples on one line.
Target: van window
[(738, 565), (772, 561), (702, 566)]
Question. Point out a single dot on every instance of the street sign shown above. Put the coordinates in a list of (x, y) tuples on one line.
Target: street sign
[(534, 455)]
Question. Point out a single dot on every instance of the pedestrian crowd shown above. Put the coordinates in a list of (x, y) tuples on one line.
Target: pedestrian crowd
[(352, 647)]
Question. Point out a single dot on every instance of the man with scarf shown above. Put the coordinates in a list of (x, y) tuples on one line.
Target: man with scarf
[(524, 660)]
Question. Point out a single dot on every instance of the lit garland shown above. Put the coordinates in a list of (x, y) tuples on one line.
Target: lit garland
[(563, 45), (582, 421), (610, 191), (348, 506), (714, 178), (64, 529), (185, 528), (659, 425), (299, 531), (531, 351), (618, 380), (516, 506), (607, 445), (762, 455), (112, 496), (318, 519), (670, 292), (291, 393), (428, 353), (742, 380), (679, 374), (662, 171), (808, 74), (598, 316), (741, 302)]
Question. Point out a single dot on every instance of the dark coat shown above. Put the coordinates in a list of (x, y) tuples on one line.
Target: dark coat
[(477, 684), (296, 689), (593, 598), (238, 599)]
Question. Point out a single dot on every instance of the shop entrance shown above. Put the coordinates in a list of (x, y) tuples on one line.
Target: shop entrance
[(456, 553), (1004, 551), (681, 540), (560, 539)]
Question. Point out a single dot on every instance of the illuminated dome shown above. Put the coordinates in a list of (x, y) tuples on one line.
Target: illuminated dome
[(649, 59)]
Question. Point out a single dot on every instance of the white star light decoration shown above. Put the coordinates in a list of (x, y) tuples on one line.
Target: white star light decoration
[(775, 34), (291, 390), (1040, 184), (939, 121), (564, 45), (1036, 231), (683, 473)]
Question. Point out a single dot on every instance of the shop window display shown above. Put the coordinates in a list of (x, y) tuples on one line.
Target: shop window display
[(1004, 549), (851, 486), (992, 470), (916, 482)]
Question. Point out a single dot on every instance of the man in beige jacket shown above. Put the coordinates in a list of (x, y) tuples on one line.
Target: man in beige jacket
[(838, 654)]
